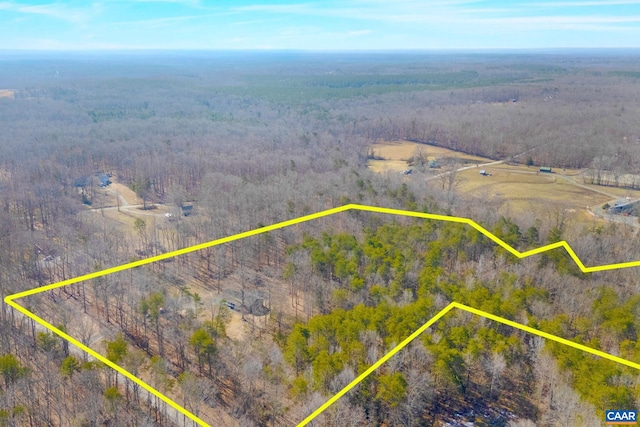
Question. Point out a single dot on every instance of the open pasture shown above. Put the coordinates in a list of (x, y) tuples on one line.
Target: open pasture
[(517, 183), (520, 189), (394, 155)]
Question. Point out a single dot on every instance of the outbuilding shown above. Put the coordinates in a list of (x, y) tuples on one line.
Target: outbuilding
[(187, 209), (623, 206), (104, 179)]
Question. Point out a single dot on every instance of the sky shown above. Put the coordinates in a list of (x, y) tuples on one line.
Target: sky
[(318, 25)]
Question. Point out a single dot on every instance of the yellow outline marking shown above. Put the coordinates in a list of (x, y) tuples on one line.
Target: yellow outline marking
[(562, 244), (477, 313)]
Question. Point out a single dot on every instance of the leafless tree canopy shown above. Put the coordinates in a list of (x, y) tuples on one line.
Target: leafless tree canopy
[(106, 159)]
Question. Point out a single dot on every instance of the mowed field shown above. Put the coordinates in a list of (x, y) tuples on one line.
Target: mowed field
[(522, 186), (397, 153), (513, 189), (519, 189)]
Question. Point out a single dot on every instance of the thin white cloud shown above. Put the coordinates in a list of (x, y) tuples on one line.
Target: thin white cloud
[(156, 22), (358, 32), (519, 23), (410, 3), (536, 20), (461, 11), (250, 22), (53, 44), (185, 2), (163, 22), (582, 3), (59, 11), (422, 21), (280, 8)]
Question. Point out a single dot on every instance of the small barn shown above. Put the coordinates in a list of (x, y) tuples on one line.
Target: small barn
[(545, 169), (483, 172)]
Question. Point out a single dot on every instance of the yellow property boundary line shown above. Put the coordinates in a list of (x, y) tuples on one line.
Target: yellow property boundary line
[(437, 317), (10, 300)]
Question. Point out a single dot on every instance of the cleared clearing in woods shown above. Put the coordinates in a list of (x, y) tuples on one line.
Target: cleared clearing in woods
[(520, 189), (394, 155), (130, 208), (512, 189)]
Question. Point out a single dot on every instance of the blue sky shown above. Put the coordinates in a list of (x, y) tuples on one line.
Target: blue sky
[(318, 25)]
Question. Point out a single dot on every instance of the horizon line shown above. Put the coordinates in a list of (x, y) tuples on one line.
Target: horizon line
[(302, 50)]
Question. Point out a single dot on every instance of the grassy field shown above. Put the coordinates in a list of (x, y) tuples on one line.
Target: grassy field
[(395, 154), (513, 189), (521, 186), (519, 189)]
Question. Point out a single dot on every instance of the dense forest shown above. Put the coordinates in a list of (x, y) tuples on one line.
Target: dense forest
[(262, 331)]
